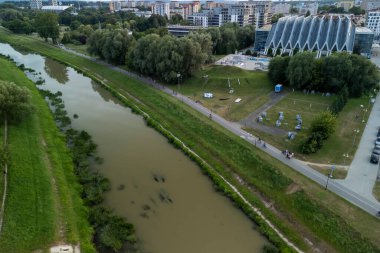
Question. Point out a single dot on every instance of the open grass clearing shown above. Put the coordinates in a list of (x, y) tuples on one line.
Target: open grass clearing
[(339, 148), (43, 205), (338, 173), (376, 190), (253, 90), (78, 48), (229, 153)]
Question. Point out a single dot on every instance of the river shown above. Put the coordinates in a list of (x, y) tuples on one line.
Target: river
[(173, 206)]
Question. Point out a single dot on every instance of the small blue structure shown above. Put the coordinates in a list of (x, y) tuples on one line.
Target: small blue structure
[(278, 88)]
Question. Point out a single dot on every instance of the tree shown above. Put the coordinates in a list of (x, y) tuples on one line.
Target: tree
[(307, 13), (356, 10), (176, 19), (324, 124), (300, 72), (337, 70), (277, 69), (46, 24), (246, 36), (14, 101), (276, 17), (321, 128), (293, 10), (111, 45)]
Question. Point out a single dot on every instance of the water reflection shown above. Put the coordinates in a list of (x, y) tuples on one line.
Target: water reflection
[(56, 70)]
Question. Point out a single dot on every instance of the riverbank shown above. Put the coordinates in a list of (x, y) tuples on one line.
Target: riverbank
[(43, 206), (229, 154)]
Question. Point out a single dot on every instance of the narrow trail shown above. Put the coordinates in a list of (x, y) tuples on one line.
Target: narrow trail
[(5, 173)]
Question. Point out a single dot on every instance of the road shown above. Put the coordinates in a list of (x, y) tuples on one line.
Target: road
[(371, 206)]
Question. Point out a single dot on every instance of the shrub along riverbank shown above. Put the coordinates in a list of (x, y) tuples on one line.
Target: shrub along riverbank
[(228, 154), (111, 231)]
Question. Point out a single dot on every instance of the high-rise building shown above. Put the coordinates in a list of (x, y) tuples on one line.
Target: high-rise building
[(262, 13), (370, 5), (346, 5), (36, 4), (373, 21), (114, 6), (53, 2), (199, 19), (161, 8)]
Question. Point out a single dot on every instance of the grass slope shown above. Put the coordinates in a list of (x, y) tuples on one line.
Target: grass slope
[(43, 193), (308, 210)]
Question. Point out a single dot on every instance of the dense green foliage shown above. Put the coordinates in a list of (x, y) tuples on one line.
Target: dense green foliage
[(111, 45), (230, 37), (327, 74), (17, 20), (169, 58), (321, 128), (14, 101), (46, 24), (339, 101)]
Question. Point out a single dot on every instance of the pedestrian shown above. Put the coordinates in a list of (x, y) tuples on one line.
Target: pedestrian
[(210, 116), (264, 144)]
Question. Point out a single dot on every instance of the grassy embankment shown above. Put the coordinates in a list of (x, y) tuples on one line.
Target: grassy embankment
[(302, 205), (43, 206)]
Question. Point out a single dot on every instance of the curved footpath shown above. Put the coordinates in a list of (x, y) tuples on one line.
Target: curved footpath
[(371, 206)]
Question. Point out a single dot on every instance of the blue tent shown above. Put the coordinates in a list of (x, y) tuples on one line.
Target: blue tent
[(278, 88)]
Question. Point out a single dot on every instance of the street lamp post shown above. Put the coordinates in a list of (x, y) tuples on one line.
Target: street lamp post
[(345, 156), (329, 175), (356, 131)]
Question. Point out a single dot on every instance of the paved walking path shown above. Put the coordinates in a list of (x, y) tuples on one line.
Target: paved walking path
[(251, 122), (369, 205)]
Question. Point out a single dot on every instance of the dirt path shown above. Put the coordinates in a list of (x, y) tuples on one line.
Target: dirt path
[(250, 120), (5, 173)]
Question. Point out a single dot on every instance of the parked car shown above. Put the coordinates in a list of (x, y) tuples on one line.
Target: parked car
[(374, 159), (376, 150), (377, 142), (378, 133)]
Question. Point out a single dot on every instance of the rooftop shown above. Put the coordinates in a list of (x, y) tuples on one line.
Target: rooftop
[(363, 30)]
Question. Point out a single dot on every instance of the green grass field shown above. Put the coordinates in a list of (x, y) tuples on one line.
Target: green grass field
[(341, 141), (43, 206), (79, 48), (303, 209), (376, 190), (254, 90)]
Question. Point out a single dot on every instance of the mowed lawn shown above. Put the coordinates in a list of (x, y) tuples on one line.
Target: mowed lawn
[(252, 87), (42, 194), (308, 106)]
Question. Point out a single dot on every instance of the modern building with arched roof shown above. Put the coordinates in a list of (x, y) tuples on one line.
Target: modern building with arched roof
[(323, 34)]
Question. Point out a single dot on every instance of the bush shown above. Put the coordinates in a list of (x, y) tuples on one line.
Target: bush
[(321, 128)]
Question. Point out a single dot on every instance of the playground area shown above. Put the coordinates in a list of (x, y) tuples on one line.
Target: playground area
[(246, 62)]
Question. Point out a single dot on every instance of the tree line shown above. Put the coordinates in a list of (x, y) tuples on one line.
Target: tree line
[(326, 74)]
